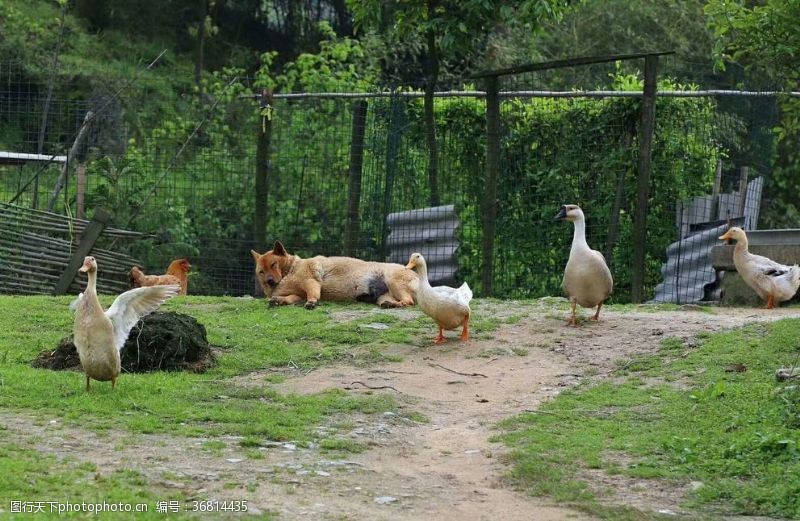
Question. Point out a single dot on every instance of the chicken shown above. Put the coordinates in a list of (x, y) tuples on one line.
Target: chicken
[(177, 273)]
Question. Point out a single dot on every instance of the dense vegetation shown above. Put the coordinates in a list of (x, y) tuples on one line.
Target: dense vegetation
[(172, 155)]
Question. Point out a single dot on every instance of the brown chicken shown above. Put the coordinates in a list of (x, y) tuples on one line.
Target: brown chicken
[(177, 273)]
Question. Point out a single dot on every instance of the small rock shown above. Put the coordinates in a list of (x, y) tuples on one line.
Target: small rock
[(375, 325), (322, 473), (694, 485), (472, 451), (290, 446), (53, 422), (385, 500), (786, 373), (389, 413), (667, 512), (235, 460)]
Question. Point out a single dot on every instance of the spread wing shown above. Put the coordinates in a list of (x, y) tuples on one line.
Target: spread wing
[(132, 305), (74, 304)]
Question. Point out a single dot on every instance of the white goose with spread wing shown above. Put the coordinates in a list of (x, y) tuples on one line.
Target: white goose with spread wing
[(99, 336)]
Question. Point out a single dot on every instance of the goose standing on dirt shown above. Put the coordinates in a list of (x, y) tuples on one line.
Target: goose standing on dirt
[(772, 281), (587, 279), (448, 307), (98, 336)]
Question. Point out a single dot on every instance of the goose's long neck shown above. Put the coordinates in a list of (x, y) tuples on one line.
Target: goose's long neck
[(579, 236), (422, 271), (91, 285), (741, 246)]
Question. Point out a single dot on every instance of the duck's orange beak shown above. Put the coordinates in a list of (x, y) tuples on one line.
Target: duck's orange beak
[(86, 265), (725, 236), (411, 264)]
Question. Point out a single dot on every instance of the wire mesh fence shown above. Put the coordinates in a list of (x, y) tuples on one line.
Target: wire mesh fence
[(184, 170)]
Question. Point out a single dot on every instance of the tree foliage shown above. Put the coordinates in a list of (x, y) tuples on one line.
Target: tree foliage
[(461, 30), (764, 37)]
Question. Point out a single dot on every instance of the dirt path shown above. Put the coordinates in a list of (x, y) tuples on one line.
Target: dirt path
[(445, 468)]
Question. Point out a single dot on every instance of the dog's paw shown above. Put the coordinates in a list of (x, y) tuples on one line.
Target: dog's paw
[(311, 304), (274, 302)]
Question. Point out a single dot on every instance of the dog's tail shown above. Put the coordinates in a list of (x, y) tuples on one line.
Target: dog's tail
[(376, 286)]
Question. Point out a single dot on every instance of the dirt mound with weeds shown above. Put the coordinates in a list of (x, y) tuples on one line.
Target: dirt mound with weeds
[(159, 342)]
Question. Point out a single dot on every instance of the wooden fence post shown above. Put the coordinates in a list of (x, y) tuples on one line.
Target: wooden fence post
[(353, 225), (715, 192), (646, 130), (619, 196), (490, 194), (263, 138), (90, 235), (62, 177), (80, 192), (743, 173), (397, 117)]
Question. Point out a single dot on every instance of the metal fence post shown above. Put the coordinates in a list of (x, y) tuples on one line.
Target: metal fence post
[(490, 195), (263, 138), (646, 130), (352, 226)]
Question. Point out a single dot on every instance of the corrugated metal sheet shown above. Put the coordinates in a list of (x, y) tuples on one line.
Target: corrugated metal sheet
[(688, 268), (431, 232)]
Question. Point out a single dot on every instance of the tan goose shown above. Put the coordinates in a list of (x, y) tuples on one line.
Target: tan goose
[(587, 279), (448, 307), (98, 336), (772, 282)]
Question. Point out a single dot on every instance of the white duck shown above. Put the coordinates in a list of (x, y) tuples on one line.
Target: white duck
[(448, 307), (587, 279), (99, 337), (772, 281)]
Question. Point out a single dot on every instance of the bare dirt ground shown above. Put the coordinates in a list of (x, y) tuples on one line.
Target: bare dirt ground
[(443, 468)]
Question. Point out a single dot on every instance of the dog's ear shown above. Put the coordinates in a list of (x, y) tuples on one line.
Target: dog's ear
[(278, 249), (255, 255)]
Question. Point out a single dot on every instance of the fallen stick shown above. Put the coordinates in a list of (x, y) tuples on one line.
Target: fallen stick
[(392, 371), (456, 372), (372, 387)]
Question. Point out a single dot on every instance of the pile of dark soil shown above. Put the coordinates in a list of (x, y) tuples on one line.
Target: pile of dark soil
[(159, 342)]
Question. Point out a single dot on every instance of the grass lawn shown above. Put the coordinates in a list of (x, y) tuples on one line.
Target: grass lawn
[(250, 337), (682, 415)]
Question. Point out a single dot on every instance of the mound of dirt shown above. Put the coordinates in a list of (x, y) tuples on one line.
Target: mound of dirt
[(159, 342)]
